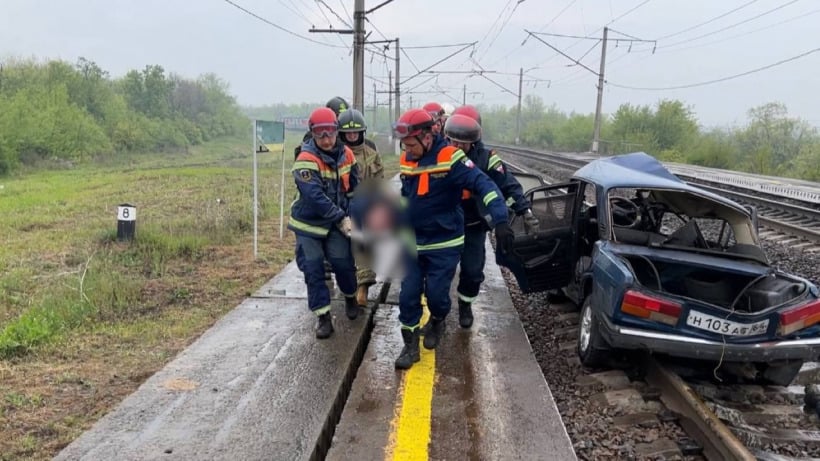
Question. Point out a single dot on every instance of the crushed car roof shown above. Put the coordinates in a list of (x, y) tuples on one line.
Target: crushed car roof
[(641, 171)]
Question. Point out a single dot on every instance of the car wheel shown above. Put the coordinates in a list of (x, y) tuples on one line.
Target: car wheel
[(592, 350)]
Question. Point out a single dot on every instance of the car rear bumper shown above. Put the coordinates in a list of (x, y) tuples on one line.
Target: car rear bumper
[(684, 346)]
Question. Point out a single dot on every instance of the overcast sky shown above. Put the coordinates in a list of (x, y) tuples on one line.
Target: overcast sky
[(264, 65)]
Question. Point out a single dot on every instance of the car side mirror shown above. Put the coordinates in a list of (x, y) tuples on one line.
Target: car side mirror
[(753, 213)]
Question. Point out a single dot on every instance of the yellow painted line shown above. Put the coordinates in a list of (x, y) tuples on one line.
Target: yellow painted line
[(410, 428)]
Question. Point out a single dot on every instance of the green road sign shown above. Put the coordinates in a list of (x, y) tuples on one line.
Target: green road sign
[(270, 136)]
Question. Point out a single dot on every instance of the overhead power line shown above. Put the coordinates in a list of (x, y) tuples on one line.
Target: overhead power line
[(343, 21), (347, 13), (490, 29), (438, 62), (718, 80), (501, 29), (627, 13), (754, 31), (730, 26), (563, 10), (621, 16), (270, 23), (549, 23), (295, 10), (708, 22)]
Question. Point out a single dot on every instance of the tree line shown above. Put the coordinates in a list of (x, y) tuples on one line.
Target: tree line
[(770, 143), (77, 111)]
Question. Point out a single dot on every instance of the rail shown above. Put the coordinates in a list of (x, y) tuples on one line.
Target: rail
[(800, 218)]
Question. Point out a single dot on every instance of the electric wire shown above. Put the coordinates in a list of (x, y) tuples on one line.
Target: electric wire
[(707, 22), (500, 29), (277, 26), (732, 37), (347, 13), (341, 19), (296, 11), (718, 80), (490, 29), (731, 26), (621, 16)]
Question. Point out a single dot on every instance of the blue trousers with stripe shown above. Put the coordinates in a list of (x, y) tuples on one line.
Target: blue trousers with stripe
[(430, 273), (311, 253), (473, 257)]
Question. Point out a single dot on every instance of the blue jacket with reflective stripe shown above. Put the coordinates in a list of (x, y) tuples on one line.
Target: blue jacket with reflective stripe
[(433, 208), (490, 163), (323, 198)]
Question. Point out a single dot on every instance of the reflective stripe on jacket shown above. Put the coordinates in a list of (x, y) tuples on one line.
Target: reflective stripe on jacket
[(432, 186), (325, 182), (490, 163)]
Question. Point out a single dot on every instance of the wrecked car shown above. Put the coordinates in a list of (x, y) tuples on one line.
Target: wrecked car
[(660, 265)]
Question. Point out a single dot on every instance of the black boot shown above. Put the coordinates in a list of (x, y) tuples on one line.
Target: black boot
[(410, 353), (435, 330), (465, 314), (324, 326), (351, 307)]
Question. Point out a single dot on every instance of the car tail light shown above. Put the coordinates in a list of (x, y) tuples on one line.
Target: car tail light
[(800, 317), (647, 307)]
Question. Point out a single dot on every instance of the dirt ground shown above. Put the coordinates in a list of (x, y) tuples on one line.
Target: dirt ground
[(50, 397)]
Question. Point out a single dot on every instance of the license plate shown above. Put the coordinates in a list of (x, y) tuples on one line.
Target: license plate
[(725, 327)]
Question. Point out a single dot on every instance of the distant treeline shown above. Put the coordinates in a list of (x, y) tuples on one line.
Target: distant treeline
[(56, 109), (771, 143)]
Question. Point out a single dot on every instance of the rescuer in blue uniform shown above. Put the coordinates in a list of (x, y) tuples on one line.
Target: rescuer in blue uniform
[(463, 130), (433, 176), (326, 176)]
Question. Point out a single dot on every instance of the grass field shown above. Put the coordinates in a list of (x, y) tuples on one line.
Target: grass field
[(84, 319)]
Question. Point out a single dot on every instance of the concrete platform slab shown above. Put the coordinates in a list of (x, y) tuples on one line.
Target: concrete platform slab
[(257, 385), (489, 397)]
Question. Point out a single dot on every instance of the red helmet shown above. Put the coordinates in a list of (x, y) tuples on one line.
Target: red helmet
[(462, 128), (322, 122), (434, 109), (414, 122), (469, 111)]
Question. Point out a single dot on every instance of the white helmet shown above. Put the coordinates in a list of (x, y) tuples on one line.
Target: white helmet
[(448, 109)]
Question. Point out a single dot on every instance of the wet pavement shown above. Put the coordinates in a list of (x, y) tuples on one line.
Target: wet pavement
[(258, 385), (489, 398)]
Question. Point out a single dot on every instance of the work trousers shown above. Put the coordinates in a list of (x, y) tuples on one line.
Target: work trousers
[(311, 253), (364, 263), (430, 273), (473, 257)]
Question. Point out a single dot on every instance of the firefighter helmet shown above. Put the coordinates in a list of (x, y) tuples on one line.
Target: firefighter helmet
[(469, 111), (414, 122), (461, 128), (338, 105), (434, 109), (352, 120)]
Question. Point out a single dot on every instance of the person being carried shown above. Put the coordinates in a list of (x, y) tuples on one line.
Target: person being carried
[(353, 127)]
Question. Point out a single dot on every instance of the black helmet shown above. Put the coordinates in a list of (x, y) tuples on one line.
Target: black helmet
[(462, 128), (352, 120), (338, 104)]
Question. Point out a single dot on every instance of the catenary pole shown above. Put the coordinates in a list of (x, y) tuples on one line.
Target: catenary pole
[(596, 136)]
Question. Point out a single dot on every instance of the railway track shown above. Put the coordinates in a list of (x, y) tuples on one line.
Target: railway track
[(791, 214)]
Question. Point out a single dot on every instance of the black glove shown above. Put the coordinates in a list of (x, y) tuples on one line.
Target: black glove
[(504, 238)]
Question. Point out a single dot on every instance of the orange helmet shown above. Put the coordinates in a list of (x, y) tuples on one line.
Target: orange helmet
[(322, 122), (414, 122), (434, 109), (461, 128), (469, 111)]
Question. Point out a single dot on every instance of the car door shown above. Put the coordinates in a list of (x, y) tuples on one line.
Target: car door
[(544, 260)]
